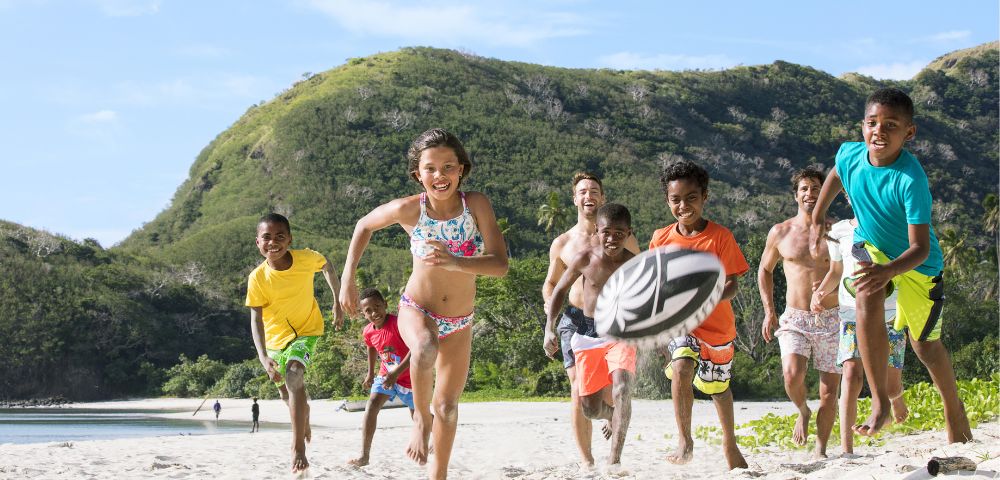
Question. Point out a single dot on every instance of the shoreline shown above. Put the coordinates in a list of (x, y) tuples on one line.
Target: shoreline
[(495, 440)]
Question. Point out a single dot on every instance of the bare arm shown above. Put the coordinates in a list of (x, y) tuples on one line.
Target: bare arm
[(493, 263), (731, 288), (556, 268), (330, 274), (828, 286), (632, 244), (817, 231), (393, 374), (554, 305), (875, 277), (372, 364), (257, 332), (379, 218), (765, 281)]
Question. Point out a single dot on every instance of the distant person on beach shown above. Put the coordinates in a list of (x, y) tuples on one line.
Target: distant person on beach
[(894, 242), (702, 359), (218, 409), (286, 321), (384, 343), (802, 333), (605, 369), (255, 410), (588, 196), (453, 238), (841, 274)]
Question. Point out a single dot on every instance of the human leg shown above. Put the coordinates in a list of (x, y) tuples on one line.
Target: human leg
[(420, 334), (873, 345), (375, 403), (681, 373), (793, 369), (935, 357), (621, 363), (724, 408), (582, 427), (853, 376), (452, 371), (298, 411), (829, 385)]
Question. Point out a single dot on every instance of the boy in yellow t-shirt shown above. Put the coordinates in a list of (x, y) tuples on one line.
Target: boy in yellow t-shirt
[(286, 321)]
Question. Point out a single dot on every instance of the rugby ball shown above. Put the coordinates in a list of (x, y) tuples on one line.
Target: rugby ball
[(658, 295)]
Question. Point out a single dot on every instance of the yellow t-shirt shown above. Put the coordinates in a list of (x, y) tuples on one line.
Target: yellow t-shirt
[(287, 299)]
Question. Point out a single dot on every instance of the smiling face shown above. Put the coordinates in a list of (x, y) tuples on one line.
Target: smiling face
[(273, 239), (886, 129), (686, 200), (588, 196), (439, 172), (806, 193), (612, 235), (373, 308)]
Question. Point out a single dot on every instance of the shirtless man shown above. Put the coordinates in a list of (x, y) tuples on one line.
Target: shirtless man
[(802, 333), (605, 368), (588, 196)]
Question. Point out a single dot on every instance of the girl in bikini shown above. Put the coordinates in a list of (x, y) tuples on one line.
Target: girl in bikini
[(453, 237)]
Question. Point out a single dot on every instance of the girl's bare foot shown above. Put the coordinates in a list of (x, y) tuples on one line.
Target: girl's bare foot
[(419, 439)]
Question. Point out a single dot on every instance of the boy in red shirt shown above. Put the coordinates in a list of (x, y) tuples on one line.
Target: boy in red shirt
[(705, 355), (393, 380)]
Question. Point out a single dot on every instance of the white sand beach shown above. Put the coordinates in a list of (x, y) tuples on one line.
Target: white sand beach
[(497, 440)]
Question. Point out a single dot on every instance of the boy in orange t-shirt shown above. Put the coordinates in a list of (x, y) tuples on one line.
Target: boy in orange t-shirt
[(705, 356)]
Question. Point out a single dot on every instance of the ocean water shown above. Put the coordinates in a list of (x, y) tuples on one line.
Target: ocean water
[(36, 425)]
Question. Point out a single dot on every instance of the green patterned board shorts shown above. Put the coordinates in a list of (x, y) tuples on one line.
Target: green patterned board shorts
[(301, 350)]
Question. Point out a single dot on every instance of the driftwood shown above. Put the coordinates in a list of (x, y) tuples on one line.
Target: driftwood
[(949, 464)]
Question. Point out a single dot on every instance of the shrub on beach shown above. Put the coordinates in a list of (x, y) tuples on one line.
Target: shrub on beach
[(193, 379)]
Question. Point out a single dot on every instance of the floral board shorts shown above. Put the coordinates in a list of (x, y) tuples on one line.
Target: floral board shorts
[(811, 334), (848, 349), (715, 362)]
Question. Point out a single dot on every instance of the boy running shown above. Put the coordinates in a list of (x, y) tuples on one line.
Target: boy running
[(705, 356), (285, 319), (895, 243), (604, 368), (393, 380)]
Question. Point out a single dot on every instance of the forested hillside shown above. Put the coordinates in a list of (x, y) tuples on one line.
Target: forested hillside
[(331, 147)]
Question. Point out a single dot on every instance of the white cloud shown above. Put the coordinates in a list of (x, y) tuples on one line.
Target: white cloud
[(893, 71), (451, 24), (129, 8), (952, 36), (100, 116), (663, 61)]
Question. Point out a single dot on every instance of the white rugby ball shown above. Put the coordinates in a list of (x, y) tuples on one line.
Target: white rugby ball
[(659, 294)]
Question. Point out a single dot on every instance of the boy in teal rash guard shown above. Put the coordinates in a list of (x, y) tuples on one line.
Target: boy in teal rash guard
[(894, 242)]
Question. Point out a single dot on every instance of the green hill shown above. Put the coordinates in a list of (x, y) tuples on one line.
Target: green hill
[(331, 147)]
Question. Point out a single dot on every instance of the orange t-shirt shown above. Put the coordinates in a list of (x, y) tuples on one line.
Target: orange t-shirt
[(720, 326)]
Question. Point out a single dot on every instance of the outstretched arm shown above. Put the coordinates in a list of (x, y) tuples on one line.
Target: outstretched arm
[(765, 282), (383, 216), (826, 287)]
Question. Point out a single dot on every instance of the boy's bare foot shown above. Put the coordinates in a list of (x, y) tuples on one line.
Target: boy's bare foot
[(615, 470), (735, 458), (419, 440), (900, 411), (819, 454), (873, 424), (309, 433), (606, 430), (957, 426), (683, 454), (358, 462), (299, 461), (800, 433)]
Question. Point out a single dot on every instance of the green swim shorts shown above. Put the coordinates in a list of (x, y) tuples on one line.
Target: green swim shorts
[(300, 350), (921, 297)]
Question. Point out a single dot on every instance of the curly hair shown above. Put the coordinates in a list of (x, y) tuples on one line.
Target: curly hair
[(371, 292), (681, 169), (807, 173), (891, 97)]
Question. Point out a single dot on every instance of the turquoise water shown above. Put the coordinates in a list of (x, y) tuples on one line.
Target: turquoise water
[(35, 425)]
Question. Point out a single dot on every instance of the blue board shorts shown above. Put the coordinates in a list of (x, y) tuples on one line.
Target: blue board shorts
[(404, 394)]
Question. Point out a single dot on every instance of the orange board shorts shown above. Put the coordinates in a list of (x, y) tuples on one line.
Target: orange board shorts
[(596, 359)]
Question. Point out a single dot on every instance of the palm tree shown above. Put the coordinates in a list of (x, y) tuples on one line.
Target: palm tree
[(552, 214), (505, 230), (951, 246)]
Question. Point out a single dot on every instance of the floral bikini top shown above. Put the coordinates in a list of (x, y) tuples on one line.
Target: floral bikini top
[(460, 234)]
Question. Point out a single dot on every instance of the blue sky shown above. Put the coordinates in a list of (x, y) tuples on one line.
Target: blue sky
[(104, 104)]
